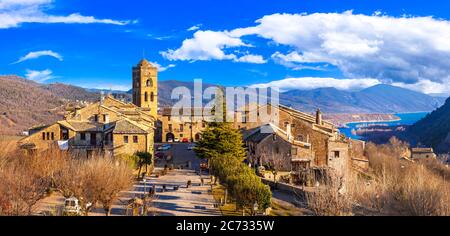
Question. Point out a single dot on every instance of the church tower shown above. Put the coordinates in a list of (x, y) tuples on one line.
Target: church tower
[(145, 87)]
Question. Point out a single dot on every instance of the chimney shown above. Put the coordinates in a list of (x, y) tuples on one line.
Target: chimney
[(318, 117), (288, 131), (102, 97)]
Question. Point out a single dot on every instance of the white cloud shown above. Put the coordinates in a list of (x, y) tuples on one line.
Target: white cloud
[(162, 68), (39, 76), (206, 45), (427, 86), (296, 61), (256, 59), (195, 27), (402, 49), (405, 49), (308, 83), (15, 12), (37, 54)]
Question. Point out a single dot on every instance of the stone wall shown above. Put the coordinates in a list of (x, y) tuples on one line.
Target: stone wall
[(130, 148)]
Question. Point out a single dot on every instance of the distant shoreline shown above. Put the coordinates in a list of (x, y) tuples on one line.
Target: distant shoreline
[(344, 120), (371, 121)]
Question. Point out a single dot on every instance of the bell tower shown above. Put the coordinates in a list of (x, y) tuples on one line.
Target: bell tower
[(145, 87)]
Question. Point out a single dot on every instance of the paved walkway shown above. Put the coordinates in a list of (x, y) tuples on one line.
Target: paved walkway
[(196, 200)]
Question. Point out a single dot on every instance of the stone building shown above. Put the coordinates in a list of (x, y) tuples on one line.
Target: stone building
[(187, 128), (268, 145), (298, 142), (422, 153), (109, 126)]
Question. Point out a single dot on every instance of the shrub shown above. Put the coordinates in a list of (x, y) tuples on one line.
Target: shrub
[(400, 187)]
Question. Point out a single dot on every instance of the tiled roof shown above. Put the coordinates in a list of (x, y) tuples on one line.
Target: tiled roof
[(422, 150), (82, 126), (126, 126), (167, 111), (258, 135)]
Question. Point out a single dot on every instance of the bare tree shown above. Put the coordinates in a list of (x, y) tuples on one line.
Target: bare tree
[(24, 184), (113, 177)]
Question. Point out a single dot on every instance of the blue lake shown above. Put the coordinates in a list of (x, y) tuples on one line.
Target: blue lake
[(405, 119)]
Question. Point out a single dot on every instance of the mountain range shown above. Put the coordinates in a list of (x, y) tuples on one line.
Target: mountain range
[(24, 103), (377, 99)]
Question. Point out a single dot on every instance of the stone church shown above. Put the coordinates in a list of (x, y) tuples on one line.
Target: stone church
[(108, 126)]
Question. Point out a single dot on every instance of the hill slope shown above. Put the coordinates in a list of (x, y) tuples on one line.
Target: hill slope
[(24, 103), (433, 130)]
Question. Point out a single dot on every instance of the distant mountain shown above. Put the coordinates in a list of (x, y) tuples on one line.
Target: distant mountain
[(433, 130), (71, 92), (376, 99), (24, 103)]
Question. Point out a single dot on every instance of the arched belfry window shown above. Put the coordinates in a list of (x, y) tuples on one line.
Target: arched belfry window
[(152, 97), (146, 96), (149, 83)]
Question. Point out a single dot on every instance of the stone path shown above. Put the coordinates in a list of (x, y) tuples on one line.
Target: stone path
[(196, 200), (193, 201)]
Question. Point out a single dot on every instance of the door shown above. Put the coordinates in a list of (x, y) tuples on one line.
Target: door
[(93, 139)]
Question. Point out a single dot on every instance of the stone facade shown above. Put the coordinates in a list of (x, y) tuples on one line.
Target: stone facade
[(422, 153), (181, 128), (108, 126), (303, 143), (269, 146), (145, 87)]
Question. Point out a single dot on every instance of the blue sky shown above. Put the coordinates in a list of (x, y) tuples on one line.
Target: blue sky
[(298, 44)]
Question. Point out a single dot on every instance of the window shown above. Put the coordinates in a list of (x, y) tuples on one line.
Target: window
[(83, 136), (125, 139), (48, 135), (43, 135), (170, 128), (149, 83), (181, 135), (53, 136), (274, 137), (294, 152), (181, 128), (336, 154), (152, 97), (203, 124), (146, 96), (168, 118), (96, 118), (64, 134), (135, 139)]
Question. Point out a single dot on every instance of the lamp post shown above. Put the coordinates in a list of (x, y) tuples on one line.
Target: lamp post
[(145, 186), (144, 199), (255, 208)]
